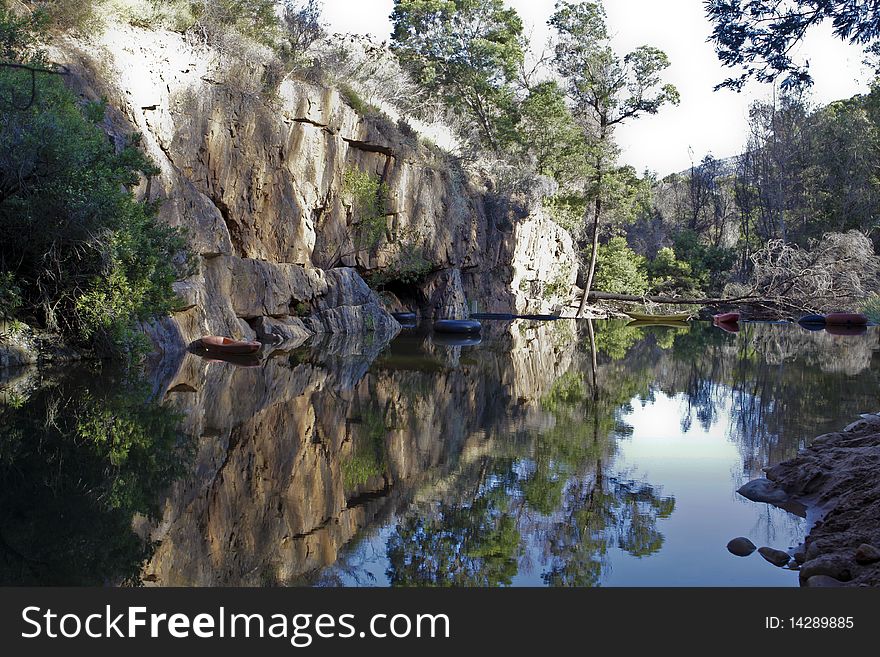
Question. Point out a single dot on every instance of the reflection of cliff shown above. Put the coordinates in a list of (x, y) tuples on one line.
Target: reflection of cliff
[(300, 455)]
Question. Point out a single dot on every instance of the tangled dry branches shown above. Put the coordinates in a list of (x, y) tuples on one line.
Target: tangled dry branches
[(838, 273)]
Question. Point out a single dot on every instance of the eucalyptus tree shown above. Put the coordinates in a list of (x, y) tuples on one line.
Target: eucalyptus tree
[(606, 90), (758, 35), (466, 51)]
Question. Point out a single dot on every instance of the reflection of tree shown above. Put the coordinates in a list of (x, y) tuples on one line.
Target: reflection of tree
[(552, 500), (472, 543), (552, 486), (77, 461), (602, 513)]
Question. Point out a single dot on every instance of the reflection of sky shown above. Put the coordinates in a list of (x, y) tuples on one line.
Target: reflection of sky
[(701, 470)]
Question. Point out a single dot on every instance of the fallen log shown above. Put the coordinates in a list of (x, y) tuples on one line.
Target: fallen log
[(610, 296)]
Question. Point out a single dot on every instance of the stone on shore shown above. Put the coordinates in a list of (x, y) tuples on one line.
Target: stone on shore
[(741, 546), (867, 553), (763, 490), (774, 556)]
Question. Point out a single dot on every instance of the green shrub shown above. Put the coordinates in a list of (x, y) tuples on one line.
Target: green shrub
[(568, 211), (80, 254), (619, 269), (367, 457), (560, 284), (710, 265), (367, 195), (357, 103), (872, 308), (255, 19), (668, 275), (409, 268), (83, 16), (10, 295)]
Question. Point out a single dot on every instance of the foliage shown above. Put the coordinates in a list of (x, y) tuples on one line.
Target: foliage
[(610, 88), (367, 457), (300, 29), (560, 284), (78, 459), (759, 35), (87, 258), (620, 270), (366, 194), (626, 195), (409, 267), (710, 265), (871, 307), (19, 35), (568, 211), (547, 131), (10, 295), (357, 103), (255, 19), (670, 276), (79, 15), (607, 90), (457, 545), (465, 51)]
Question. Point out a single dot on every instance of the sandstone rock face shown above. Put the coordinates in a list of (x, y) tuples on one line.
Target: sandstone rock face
[(256, 178)]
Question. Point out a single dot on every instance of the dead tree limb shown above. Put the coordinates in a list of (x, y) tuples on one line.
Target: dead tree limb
[(609, 296)]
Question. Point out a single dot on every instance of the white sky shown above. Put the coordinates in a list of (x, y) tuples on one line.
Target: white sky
[(705, 121)]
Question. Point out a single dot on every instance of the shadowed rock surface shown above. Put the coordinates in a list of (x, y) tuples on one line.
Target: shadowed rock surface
[(839, 473)]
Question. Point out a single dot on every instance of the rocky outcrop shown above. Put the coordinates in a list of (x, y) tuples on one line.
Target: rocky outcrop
[(837, 477), (256, 176), (21, 345)]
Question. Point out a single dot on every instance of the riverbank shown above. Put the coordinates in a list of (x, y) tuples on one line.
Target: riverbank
[(838, 479)]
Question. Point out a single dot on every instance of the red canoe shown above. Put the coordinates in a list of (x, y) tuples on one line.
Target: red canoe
[(221, 345), (846, 329), (850, 319), (726, 318)]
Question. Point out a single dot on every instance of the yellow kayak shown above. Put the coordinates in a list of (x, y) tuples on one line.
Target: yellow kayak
[(670, 323), (644, 317)]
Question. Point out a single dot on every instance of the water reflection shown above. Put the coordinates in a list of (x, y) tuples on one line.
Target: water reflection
[(82, 454), (564, 453)]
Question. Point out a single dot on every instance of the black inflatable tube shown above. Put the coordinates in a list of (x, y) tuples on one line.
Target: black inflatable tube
[(456, 340), (460, 326)]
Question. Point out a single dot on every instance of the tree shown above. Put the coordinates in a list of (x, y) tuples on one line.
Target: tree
[(606, 91), (759, 35), (548, 131), (301, 28), (467, 51)]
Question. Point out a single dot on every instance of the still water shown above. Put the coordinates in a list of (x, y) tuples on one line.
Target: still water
[(558, 453)]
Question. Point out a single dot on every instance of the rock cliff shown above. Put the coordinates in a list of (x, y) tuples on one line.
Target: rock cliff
[(255, 175)]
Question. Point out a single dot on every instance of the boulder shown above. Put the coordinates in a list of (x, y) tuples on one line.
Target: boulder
[(741, 546), (774, 556), (867, 553), (833, 564), (763, 490)]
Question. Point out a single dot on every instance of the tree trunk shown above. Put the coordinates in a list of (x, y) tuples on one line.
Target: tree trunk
[(597, 213), (594, 255)]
